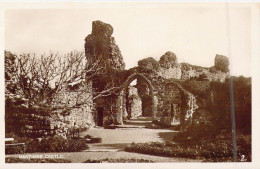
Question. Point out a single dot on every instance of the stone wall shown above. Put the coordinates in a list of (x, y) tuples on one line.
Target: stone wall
[(34, 121), (135, 103), (101, 47), (75, 106), (169, 68), (173, 104)]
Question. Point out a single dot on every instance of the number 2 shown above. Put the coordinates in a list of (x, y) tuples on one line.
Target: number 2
[(243, 158)]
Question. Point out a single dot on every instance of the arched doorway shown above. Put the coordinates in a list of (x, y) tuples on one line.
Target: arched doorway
[(139, 76)]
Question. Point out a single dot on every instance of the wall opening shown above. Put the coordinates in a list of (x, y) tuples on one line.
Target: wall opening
[(100, 114), (143, 94)]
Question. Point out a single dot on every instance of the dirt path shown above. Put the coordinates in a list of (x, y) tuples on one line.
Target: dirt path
[(117, 139)]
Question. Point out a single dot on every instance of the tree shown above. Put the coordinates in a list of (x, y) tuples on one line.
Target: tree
[(37, 78)]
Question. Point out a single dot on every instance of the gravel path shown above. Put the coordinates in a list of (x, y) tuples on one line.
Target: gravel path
[(117, 139)]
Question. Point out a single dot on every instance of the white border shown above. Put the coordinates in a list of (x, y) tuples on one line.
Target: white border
[(255, 16)]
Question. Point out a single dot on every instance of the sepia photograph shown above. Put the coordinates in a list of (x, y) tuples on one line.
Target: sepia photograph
[(132, 82)]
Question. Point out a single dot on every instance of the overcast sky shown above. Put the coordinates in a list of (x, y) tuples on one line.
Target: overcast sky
[(194, 34)]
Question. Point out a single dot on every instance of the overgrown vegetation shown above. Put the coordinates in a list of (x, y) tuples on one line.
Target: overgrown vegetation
[(49, 144), (221, 63), (211, 141), (217, 148)]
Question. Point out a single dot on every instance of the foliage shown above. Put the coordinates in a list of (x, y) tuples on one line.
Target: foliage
[(214, 97), (148, 63), (51, 144), (187, 67), (210, 149), (222, 63), (15, 149), (9, 65), (36, 160), (76, 145), (168, 60), (198, 88), (220, 107), (213, 69), (119, 160)]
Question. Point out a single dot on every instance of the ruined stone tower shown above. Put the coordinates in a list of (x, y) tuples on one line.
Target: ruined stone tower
[(100, 46)]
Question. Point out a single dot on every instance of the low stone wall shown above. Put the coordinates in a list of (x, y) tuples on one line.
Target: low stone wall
[(34, 122)]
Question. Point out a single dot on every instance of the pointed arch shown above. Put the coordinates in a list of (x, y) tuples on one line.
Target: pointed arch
[(134, 76)]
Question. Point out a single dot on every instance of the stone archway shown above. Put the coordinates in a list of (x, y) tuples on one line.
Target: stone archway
[(131, 78)]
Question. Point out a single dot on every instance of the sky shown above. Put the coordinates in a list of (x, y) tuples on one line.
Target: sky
[(194, 34)]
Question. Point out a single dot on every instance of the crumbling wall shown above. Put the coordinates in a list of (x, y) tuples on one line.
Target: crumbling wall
[(135, 103), (101, 47), (34, 121), (169, 68), (173, 104), (75, 107)]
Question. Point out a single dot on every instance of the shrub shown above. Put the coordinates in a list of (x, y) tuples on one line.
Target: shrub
[(18, 149), (32, 145), (54, 144), (168, 60), (75, 145), (50, 144), (149, 63), (219, 148)]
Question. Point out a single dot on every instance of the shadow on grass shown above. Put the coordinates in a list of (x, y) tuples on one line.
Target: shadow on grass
[(167, 136), (120, 146)]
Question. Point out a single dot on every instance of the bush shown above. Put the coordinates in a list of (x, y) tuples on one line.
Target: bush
[(32, 145), (149, 63), (219, 148), (168, 60), (18, 149), (50, 144), (54, 144), (76, 145)]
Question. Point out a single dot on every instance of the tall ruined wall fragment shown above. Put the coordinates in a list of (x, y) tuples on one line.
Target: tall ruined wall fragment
[(101, 47)]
